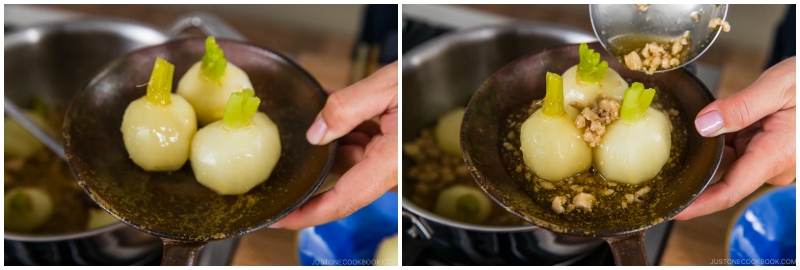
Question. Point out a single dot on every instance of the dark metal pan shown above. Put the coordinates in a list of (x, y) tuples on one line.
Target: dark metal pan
[(520, 82), (174, 206)]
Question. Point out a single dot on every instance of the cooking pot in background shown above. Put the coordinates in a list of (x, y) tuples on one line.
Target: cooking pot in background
[(51, 62), (443, 74)]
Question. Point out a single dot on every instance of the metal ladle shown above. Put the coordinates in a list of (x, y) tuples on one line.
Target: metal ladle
[(173, 205), (614, 23), (16, 114)]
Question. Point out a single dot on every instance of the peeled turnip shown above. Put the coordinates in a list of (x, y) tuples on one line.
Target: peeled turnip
[(551, 145), (448, 131), (386, 254), (208, 84), (584, 81), (157, 129), (18, 141), (235, 154), (26, 209), (634, 148), (99, 218), (464, 203)]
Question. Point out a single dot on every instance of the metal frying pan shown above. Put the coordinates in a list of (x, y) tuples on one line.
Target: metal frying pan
[(520, 82), (174, 206)]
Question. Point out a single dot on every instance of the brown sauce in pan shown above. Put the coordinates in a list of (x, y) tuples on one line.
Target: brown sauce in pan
[(614, 201)]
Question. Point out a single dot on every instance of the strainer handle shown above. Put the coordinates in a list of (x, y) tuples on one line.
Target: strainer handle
[(207, 23), (177, 252), (628, 249)]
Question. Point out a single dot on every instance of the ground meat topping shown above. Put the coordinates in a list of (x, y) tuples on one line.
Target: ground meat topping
[(656, 56), (696, 16), (593, 120), (641, 192), (584, 201), (717, 22), (558, 204)]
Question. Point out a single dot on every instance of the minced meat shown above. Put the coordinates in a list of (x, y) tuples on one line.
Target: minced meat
[(656, 56), (584, 201), (593, 120), (717, 22)]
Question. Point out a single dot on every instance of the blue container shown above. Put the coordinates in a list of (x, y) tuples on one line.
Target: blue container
[(765, 231), (352, 240)]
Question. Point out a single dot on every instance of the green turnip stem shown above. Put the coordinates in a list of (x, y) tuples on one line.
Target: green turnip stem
[(160, 86), (468, 205), (635, 103), (553, 104), (19, 201), (590, 68), (241, 108), (23, 201), (214, 63)]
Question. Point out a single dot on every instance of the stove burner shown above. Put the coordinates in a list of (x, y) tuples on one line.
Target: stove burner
[(68, 253), (84, 252), (450, 246)]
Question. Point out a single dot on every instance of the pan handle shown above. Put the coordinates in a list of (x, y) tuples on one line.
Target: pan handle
[(415, 237), (178, 252), (628, 249), (207, 23)]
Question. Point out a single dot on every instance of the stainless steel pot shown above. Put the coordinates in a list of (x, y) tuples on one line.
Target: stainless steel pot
[(442, 74), (51, 62)]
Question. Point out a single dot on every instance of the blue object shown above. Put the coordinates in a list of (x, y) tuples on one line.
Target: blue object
[(765, 232), (352, 240)]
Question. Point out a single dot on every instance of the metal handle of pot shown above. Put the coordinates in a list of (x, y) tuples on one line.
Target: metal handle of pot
[(415, 237), (38, 132), (177, 253), (628, 249), (207, 23)]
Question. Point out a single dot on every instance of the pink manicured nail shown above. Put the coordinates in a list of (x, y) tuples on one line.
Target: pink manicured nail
[(317, 130), (709, 123)]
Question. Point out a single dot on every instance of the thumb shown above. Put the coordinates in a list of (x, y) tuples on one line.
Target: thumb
[(774, 90), (349, 107)]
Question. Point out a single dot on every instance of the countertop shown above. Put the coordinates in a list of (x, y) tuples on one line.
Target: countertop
[(327, 58)]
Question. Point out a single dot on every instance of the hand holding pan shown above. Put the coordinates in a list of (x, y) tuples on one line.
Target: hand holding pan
[(173, 205), (520, 82)]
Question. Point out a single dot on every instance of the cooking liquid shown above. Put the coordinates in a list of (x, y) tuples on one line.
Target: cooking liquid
[(619, 46)]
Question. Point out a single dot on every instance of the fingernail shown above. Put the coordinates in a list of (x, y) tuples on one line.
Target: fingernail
[(709, 123), (317, 130), (275, 226)]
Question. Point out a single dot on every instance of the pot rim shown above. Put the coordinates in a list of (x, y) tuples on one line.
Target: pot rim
[(424, 52), (427, 215), (26, 237), (34, 32)]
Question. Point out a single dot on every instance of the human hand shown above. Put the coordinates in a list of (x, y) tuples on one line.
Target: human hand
[(368, 151), (759, 128)]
